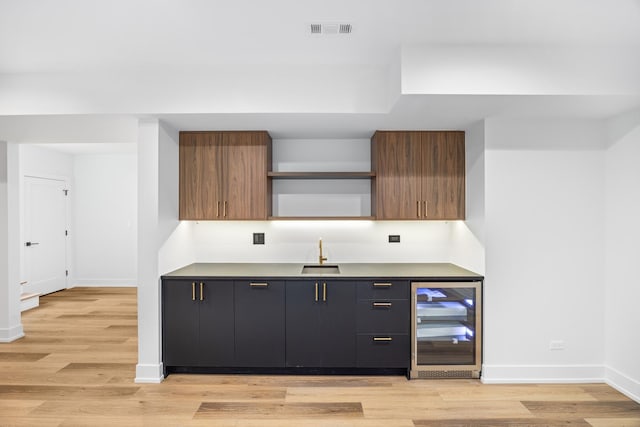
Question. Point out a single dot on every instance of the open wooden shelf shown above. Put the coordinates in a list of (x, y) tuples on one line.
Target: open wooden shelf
[(321, 175), (328, 218)]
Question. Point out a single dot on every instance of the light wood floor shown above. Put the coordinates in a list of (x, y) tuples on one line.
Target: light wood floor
[(76, 367)]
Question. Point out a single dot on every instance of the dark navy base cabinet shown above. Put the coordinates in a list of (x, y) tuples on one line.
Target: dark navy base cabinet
[(285, 326)]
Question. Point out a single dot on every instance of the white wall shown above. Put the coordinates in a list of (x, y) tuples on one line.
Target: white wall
[(10, 321), (622, 255), (544, 250), (467, 237), (159, 237), (105, 210)]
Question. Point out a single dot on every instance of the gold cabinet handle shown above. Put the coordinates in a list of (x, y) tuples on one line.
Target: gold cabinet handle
[(201, 291), (382, 304), (224, 209), (218, 209), (316, 291), (387, 339), (193, 291), (425, 209), (418, 203), (324, 291), (258, 285), (382, 285)]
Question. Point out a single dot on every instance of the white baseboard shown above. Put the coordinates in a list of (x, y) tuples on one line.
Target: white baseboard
[(623, 383), (105, 283), (519, 374), (149, 373), (27, 302), (11, 334)]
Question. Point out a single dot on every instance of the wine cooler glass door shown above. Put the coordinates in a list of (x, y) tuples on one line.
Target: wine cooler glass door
[(446, 326)]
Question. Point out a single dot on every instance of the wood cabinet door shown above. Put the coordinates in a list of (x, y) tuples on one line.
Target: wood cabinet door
[(216, 339), (443, 176), (398, 169), (245, 175), (200, 175), (321, 329), (180, 323), (259, 324)]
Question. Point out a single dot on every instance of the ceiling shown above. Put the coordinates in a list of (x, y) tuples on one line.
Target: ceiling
[(85, 36), (79, 35)]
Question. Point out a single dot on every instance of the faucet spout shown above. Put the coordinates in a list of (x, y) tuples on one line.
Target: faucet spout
[(321, 259)]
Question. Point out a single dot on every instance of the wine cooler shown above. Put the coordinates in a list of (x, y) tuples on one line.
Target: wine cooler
[(447, 329)]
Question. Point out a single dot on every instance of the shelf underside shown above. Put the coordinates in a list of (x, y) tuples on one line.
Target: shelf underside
[(321, 175), (328, 218)]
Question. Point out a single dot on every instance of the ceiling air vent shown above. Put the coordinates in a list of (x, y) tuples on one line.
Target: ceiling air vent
[(330, 28), (345, 29)]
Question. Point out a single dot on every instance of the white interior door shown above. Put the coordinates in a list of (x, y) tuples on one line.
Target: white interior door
[(44, 239)]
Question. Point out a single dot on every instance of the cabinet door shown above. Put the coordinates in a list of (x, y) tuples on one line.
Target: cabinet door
[(246, 158), (216, 343), (200, 175), (398, 167), (180, 323), (259, 324), (320, 323), (443, 183)]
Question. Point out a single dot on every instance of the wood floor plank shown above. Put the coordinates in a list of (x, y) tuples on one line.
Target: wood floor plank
[(546, 392), (599, 409), (12, 356), (7, 421), (99, 410), (360, 394), (58, 392), (262, 410), (228, 393), (506, 422), (603, 392), (333, 422), (17, 408), (390, 407), (614, 422)]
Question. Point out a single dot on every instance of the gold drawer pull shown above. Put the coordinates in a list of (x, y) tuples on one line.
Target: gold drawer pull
[(316, 291), (324, 292), (258, 285), (193, 291), (382, 285), (382, 304), (386, 339), (201, 291)]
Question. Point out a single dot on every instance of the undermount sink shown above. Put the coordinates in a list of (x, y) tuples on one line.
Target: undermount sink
[(321, 269)]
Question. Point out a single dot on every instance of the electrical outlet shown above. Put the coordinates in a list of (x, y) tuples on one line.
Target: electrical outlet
[(394, 238), (556, 345), (258, 238)]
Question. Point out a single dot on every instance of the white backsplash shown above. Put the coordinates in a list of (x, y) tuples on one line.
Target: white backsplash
[(343, 241)]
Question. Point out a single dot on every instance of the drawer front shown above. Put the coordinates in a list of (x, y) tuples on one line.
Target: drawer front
[(383, 351), (383, 288), (383, 316)]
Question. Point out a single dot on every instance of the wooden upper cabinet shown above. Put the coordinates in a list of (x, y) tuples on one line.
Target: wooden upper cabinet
[(419, 174), (223, 175)]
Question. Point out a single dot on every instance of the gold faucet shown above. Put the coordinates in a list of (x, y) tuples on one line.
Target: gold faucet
[(321, 259)]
